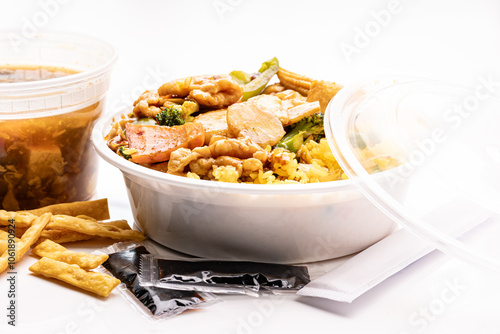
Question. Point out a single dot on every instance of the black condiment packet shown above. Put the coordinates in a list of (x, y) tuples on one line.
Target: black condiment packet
[(223, 276), (125, 266)]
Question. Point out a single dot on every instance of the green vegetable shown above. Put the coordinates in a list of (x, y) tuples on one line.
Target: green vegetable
[(308, 126), (146, 121), (253, 87), (170, 116), (268, 64), (242, 78), (122, 151)]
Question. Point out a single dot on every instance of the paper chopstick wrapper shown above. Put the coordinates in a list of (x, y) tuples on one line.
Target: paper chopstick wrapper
[(385, 258), (350, 280)]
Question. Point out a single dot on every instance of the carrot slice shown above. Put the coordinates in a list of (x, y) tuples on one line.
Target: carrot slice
[(154, 143)]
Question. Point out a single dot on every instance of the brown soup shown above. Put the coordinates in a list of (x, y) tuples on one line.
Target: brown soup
[(46, 160)]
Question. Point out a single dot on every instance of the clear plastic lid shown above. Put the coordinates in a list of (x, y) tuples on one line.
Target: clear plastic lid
[(445, 142), (91, 57)]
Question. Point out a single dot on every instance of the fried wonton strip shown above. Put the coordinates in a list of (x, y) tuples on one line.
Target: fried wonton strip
[(97, 283), (97, 209), (93, 228), (4, 235), (57, 252), (63, 236), (29, 238), (4, 241), (121, 224), (21, 219)]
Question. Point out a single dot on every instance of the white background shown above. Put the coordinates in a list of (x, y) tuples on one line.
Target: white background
[(334, 40)]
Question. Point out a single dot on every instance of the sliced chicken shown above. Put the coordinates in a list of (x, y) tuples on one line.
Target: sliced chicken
[(290, 98), (214, 123), (271, 104), (256, 121), (296, 106), (297, 113)]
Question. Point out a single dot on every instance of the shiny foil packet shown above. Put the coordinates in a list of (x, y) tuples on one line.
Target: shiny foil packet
[(159, 302), (239, 277)]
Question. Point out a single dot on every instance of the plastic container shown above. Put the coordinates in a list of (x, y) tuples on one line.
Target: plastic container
[(268, 223), (46, 156), (448, 140)]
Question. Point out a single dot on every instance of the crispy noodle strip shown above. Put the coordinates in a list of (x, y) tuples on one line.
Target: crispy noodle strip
[(57, 252), (97, 283), (22, 219), (97, 209), (29, 238), (4, 241), (64, 235), (93, 228)]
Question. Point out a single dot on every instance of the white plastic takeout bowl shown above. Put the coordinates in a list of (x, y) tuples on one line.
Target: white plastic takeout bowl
[(269, 223)]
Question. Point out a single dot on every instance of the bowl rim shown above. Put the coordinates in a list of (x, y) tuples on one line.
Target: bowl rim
[(129, 168)]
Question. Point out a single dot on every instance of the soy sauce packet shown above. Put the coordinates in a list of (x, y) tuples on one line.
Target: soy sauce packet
[(232, 277), (155, 302)]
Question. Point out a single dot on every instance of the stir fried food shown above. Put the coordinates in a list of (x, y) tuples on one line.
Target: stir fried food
[(239, 127)]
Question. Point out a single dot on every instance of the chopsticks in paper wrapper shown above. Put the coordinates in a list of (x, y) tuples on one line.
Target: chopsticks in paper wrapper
[(372, 266)]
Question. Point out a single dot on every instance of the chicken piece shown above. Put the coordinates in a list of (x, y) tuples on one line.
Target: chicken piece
[(230, 161), (262, 156), (214, 91), (251, 165), (216, 138), (202, 166), (272, 104), (273, 89), (154, 143), (297, 113), (280, 156), (147, 105), (296, 106), (253, 120), (323, 91), (214, 123), (244, 167), (290, 98), (180, 158), (242, 148), (203, 151)]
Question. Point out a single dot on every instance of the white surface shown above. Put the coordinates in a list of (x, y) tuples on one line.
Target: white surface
[(161, 40)]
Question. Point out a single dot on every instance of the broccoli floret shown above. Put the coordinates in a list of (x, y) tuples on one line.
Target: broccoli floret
[(308, 126), (170, 116)]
